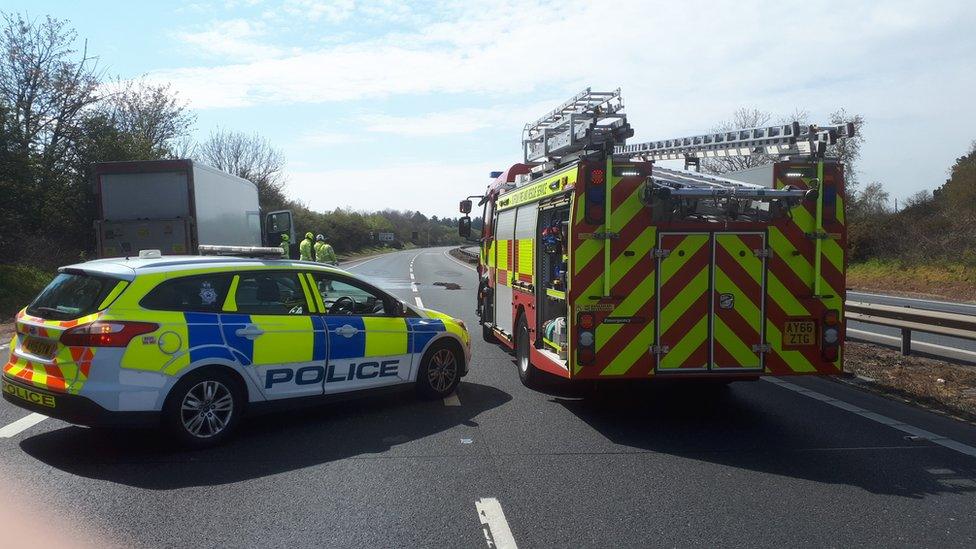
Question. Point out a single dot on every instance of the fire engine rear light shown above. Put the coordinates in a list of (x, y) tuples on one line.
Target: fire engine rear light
[(831, 335), (585, 356), (830, 353), (106, 333), (586, 339), (831, 317), (586, 321)]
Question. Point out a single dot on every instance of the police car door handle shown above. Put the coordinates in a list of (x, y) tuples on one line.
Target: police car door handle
[(347, 330), (249, 331)]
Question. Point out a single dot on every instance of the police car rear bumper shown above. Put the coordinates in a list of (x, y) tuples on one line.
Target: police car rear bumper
[(72, 408)]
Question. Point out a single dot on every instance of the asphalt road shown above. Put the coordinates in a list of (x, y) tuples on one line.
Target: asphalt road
[(927, 304), (759, 465)]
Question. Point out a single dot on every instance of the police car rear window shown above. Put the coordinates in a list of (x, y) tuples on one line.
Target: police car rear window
[(199, 293), (71, 295)]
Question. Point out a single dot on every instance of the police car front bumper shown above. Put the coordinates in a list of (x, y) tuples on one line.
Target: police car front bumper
[(72, 408)]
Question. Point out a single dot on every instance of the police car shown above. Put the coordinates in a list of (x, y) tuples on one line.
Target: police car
[(195, 342)]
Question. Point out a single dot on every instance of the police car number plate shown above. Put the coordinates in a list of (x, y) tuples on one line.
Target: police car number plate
[(799, 333), (30, 396), (39, 347)]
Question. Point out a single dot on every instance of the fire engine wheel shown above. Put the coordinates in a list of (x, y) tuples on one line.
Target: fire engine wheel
[(486, 332), (528, 374), (440, 371), (203, 408)]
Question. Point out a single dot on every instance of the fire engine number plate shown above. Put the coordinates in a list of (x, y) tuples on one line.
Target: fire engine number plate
[(799, 333)]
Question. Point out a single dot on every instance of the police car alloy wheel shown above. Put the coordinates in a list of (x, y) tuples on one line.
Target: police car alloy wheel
[(440, 371), (203, 408)]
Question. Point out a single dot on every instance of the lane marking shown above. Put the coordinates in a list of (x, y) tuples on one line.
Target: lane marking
[(411, 276), (4, 346), (419, 302), (452, 399), (458, 261), (413, 286), (21, 424), (497, 533), (953, 303), (361, 263), (876, 417)]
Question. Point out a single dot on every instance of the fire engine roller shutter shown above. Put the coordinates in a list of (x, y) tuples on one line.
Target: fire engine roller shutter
[(504, 237), (737, 300), (683, 299)]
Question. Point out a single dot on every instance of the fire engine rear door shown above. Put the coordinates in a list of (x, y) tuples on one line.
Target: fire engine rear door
[(683, 301), (738, 279)]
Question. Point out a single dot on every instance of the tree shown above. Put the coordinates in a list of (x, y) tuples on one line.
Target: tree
[(959, 191), (742, 118), (249, 156), (150, 113), (45, 84)]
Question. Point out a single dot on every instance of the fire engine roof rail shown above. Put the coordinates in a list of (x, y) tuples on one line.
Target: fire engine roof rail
[(690, 184), (784, 140), (587, 121)]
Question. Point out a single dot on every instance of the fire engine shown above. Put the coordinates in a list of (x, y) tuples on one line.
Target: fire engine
[(598, 263)]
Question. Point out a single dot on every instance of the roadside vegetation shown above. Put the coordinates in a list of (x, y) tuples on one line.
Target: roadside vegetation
[(61, 112)]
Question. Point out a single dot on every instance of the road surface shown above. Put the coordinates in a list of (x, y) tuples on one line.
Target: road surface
[(762, 465)]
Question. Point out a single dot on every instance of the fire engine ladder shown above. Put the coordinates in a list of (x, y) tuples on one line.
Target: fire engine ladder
[(785, 140), (589, 120), (691, 184)]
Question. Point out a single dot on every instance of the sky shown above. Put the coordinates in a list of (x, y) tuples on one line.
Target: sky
[(385, 104)]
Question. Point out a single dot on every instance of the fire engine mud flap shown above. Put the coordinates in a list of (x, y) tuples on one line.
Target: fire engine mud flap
[(710, 310)]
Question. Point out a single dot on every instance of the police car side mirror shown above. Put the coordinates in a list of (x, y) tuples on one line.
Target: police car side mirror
[(464, 227)]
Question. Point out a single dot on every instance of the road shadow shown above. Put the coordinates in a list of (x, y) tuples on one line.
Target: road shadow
[(264, 445), (753, 426)]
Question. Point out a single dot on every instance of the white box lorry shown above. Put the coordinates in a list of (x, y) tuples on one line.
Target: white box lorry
[(177, 205)]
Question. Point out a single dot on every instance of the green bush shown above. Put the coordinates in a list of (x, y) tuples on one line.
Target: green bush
[(19, 285)]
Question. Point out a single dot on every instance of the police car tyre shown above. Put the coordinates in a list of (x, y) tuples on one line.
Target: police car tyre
[(440, 371), (203, 408), (528, 374)]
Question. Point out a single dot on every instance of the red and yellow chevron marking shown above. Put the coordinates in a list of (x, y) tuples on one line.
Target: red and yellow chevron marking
[(737, 282), (67, 371), (683, 301)]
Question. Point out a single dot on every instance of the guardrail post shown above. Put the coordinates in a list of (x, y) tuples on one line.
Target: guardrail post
[(906, 341)]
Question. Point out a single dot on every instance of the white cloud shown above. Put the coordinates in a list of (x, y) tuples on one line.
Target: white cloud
[(236, 39), (457, 121)]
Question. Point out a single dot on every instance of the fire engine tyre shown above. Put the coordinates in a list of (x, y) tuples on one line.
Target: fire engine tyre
[(528, 374), (203, 408), (440, 371), (486, 332)]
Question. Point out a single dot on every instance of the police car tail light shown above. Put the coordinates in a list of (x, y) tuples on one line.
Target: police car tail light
[(106, 333), (830, 335)]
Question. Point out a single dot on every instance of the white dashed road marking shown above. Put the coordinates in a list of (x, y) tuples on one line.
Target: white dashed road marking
[(497, 533), (452, 400), (873, 416), (21, 424), (4, 346), (418, 301)]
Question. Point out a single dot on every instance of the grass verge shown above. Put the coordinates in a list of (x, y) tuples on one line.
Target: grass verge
[(930, 383), (19, 285), (954, 282)]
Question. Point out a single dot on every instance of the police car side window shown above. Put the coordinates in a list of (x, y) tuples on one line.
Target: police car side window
[(343, 297), (199, 293), (270, 293)]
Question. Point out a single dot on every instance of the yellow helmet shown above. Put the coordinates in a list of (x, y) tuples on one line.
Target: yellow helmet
[(309, 236)]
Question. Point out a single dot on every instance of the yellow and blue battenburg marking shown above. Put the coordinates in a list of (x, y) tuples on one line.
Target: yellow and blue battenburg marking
[(214, 336)]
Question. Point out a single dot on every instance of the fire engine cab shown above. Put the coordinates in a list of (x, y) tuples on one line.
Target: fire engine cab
[(596, 263)]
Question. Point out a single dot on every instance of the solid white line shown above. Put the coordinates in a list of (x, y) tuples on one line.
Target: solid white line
[(21, 424), (361, 263), (497, 533), (452, 400), (954, 303), (419, 303), (876, 417), (458, 261)]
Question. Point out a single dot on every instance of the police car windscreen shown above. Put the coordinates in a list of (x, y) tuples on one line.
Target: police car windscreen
[(71, 295)]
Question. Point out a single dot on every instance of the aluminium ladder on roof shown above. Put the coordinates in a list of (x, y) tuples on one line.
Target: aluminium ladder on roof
[(783, 140), (679, 183), (588, 120)]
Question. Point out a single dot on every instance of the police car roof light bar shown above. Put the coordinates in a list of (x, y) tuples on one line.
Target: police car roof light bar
[(240, 251)]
